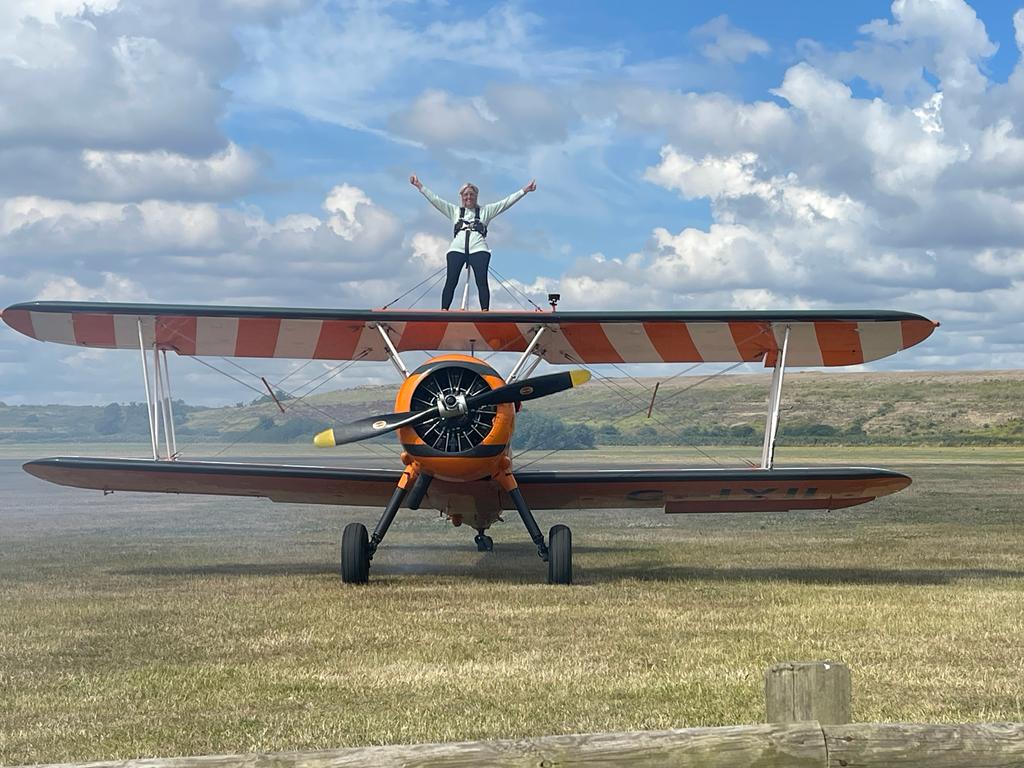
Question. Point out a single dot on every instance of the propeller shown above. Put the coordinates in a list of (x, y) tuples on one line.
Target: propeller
[(452, 406), (529, 389)]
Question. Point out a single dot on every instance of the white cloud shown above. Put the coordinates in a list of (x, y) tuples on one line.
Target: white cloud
[(341, 203), (352, 68), (78, 83), (135, 175), (112, 288), (429, 249), (505, 117), (724, 41)]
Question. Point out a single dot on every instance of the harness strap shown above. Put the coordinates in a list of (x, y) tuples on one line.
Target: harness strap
[(469, 225)]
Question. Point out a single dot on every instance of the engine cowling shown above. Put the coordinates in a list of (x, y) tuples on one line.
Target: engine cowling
[(467, 446)]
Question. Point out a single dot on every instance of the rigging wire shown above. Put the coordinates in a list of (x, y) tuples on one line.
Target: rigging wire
[(503, 281), (295, 400), (421, 282), (429, 288), (632, 400)]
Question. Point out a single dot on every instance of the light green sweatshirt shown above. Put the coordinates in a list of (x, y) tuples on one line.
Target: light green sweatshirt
[(476, 241)]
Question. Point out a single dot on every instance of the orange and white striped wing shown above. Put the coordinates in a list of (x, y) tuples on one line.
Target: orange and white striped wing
[(816, 338)]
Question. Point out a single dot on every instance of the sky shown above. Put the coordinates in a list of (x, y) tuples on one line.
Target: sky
[(688, 156)]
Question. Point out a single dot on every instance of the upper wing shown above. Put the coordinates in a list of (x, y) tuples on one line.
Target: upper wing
[(817, 338), (676, 490)]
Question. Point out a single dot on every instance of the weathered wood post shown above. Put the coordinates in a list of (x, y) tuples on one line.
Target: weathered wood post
[(797, 691)]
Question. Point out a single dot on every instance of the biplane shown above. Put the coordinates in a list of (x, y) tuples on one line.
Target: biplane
[(455, 414)]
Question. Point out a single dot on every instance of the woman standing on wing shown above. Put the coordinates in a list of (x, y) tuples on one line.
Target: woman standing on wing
[(468, 245)]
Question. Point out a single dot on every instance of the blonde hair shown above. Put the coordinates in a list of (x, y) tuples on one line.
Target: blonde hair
[(466, 186)]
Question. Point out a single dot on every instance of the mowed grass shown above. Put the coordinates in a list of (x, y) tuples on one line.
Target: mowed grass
[(135, 625)]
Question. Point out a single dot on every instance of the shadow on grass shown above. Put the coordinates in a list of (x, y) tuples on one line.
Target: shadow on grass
[(518, 562), (797, 575)]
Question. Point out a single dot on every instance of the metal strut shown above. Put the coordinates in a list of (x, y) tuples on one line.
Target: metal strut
[(771, 427), (392, 352), (410, 480), (465, 291), (159, 406), (150, 412), (530, 522), (521, 362)]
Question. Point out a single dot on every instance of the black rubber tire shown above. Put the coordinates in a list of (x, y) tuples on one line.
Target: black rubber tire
[(560, 555), (355, 554)]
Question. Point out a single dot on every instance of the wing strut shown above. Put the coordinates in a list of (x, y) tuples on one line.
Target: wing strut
[(521, 362), (158, 400), (771, 427), (149, 401), (392, 352)]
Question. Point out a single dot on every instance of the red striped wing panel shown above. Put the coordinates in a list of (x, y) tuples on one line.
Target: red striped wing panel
[(816, 338)]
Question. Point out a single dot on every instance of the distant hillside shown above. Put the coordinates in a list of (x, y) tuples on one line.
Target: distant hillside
[(969, 408)]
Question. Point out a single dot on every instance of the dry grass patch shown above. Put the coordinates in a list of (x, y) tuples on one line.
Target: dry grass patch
[(134, 625)]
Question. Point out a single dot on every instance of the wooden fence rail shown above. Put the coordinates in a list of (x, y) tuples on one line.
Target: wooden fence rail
[(807, 704), (791, 745)]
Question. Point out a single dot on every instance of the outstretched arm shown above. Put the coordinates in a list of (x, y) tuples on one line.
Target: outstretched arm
[(442, 205), (491, 210)]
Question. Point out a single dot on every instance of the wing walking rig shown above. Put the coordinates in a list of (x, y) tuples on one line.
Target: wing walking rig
[(455, 414)]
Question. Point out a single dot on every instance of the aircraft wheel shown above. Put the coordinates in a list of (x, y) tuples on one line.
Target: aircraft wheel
[(560, 555), (484, 543), (355, 554)]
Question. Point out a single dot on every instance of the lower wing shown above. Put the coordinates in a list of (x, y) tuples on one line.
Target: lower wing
[(675, 490)]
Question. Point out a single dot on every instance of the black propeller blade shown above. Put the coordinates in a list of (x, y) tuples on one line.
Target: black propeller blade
[(363, 429), (530, 389), (527, 389)]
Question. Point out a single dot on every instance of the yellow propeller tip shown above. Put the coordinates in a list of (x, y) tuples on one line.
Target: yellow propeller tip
[(325, 439), (579, 377)]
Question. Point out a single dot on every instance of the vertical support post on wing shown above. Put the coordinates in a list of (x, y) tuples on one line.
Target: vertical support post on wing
[(158, 406), (518, 367), (392, 352), (163, 400), (771, 427), (465, 291), (170, 407), (150, 412)]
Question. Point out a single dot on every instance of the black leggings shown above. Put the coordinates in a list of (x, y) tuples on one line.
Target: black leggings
[(479, 261)]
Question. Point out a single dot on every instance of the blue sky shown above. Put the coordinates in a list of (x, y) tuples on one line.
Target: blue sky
[(688, 156)]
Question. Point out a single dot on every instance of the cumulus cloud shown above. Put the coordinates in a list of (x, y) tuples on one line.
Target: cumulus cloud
[(167, 243), (162, 174), (77, 82)]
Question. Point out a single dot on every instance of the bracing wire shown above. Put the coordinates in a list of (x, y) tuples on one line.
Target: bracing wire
[(428, 289), (632, 400), (503, 282), (421, 282)]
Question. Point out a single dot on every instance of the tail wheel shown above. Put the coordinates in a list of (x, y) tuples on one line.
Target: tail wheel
[(355, 554), (560, 555)]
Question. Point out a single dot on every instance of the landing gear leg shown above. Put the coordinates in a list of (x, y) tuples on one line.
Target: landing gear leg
[(357, 549), (530, 522), (484, 543)]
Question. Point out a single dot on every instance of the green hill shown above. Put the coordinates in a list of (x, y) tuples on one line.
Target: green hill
[(958, 408)]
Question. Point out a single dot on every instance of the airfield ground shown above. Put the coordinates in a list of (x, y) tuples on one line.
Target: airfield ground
[(149, 625)]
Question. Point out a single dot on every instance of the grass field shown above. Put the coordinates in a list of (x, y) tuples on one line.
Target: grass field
[(145, 625)]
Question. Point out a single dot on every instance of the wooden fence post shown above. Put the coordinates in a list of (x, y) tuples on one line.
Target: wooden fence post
[(797, 691)]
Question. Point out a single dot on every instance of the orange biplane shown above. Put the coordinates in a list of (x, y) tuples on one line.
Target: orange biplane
[(455, 414)]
